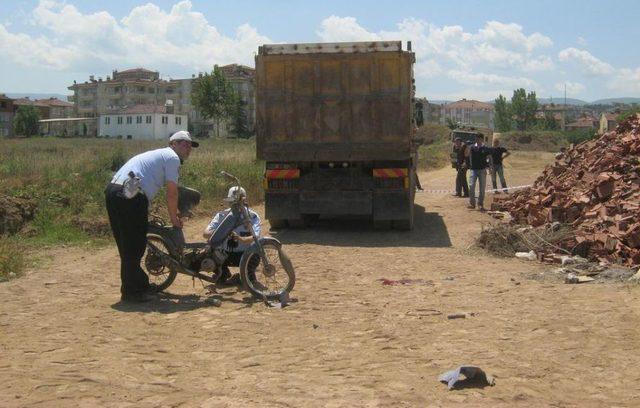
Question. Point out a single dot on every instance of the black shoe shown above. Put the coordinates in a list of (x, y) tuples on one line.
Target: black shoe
[(466, 196), (455, 195), (153, 288), (138, 297)]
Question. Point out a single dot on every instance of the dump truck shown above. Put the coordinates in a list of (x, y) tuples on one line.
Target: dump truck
[(334, 125)]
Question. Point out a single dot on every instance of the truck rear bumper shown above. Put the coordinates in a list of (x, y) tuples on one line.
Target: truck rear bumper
[(386, 205)]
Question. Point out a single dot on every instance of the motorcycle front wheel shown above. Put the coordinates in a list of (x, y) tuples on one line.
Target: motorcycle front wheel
[(267, 281)]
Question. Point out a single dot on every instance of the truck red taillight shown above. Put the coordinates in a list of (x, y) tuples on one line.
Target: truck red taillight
[(281, 179), (391, 178)]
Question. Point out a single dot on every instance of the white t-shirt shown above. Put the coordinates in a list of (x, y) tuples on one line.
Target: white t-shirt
[(155, 168)]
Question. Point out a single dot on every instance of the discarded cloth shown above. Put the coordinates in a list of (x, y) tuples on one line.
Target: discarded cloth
[(474, 375)]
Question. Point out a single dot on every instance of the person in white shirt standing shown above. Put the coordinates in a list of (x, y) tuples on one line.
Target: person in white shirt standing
[(128, 196)]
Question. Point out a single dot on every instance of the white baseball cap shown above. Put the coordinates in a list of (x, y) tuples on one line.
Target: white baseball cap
[(183, 135), (234, 192)]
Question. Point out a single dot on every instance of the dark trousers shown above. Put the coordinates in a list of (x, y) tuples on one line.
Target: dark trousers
[(129, 223), (461, 181)]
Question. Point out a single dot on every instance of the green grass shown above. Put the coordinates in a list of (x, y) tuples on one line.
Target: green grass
[(66, 179), (12, 258)]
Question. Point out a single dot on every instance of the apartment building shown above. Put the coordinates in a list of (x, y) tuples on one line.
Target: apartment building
[(468, 112), (140, 86)]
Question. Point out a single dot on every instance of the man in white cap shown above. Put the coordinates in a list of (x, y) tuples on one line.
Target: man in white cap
[(128, 196), (239, 240)]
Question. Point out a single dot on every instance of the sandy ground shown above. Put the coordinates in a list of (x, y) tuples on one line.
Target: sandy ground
[(65, 340)]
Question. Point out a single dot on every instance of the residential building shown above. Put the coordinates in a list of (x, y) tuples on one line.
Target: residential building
[(6, 116), (608, 121), (586, 122), (149, 122), (468, 112), (140, 86)]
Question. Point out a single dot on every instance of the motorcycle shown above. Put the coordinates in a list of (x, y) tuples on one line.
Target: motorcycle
[(265, 269)]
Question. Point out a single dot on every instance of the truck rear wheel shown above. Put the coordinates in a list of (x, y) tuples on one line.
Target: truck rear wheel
[(278, 224)]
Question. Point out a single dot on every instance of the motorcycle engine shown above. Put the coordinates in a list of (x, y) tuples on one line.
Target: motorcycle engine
[(208, 265)]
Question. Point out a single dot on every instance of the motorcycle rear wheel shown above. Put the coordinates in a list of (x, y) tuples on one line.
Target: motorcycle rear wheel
[(160, 273), (272, 281)]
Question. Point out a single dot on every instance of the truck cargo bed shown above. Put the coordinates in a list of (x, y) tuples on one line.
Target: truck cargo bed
[(334, 102)]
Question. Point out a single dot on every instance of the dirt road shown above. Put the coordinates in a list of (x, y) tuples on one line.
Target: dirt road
[(349, 340)]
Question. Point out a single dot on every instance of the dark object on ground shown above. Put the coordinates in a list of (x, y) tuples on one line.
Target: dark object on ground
[(475, 378), (404, 281)]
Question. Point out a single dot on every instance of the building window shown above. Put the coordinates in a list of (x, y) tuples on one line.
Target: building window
[(148, 119), (129, 120), (119, 120), (178, 120), (169, 90), (138, 119), (116, 89), (107, 120), (150, 90), (141, 89), (165, 120)]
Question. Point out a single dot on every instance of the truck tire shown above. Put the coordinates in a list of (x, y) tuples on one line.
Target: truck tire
[(382, 225), (278, 224)]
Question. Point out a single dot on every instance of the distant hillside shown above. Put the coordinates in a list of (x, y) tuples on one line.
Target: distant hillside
[(609, 101), (560, 101), (37, 95)]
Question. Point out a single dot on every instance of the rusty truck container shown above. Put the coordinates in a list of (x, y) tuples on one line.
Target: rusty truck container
[(335, 128)]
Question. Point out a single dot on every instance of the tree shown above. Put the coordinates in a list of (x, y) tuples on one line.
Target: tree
[(214, 97), (26, 120), (523, 108), (451, 124), (239, 119), (502, 118), (549, 122)]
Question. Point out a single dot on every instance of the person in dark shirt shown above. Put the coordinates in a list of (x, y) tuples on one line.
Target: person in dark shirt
[(462, 164), (498, 153), (479, 159)]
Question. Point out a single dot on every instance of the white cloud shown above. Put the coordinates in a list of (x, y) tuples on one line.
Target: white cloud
[(626, 82), (573, 88), (178, 41), (480, 79), (336, 29), (465, 56), (581, 41), (588, 63)]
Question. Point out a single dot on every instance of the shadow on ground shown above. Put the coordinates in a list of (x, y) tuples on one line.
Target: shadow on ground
[(170, 303), (429, 231)]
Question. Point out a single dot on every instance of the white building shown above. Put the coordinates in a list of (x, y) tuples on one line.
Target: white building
[(141, 122)]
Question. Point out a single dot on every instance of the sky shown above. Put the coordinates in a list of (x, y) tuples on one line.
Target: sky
[(464, 49)]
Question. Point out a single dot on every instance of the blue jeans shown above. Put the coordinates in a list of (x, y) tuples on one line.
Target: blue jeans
[(481, 177), (499, 171)]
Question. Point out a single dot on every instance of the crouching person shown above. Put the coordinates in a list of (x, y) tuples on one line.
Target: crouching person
[(235, 243)]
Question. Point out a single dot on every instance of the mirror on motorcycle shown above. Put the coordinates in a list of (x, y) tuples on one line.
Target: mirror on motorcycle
[(229, 177)]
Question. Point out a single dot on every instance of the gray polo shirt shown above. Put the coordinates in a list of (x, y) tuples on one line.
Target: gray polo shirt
[(155, 168)]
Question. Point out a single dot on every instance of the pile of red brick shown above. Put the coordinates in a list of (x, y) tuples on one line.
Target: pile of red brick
[(594, 187)]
